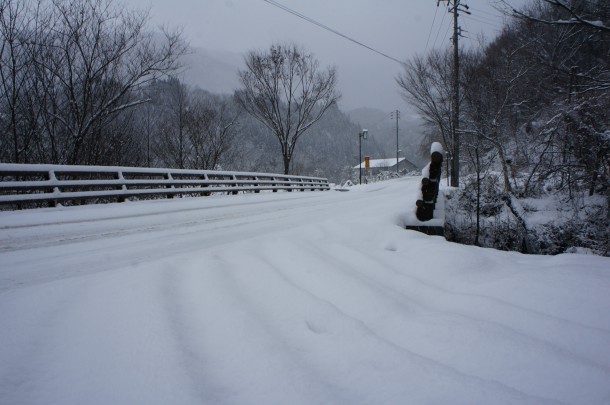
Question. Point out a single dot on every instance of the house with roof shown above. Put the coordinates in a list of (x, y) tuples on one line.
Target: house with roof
[(377, 166)]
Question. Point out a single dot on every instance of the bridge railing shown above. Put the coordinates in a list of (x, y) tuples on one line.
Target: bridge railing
[(27, 185)]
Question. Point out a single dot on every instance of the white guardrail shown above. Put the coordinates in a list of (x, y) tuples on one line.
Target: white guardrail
[(41, 183)]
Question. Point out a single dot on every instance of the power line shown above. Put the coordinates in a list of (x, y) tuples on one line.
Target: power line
[(385, 117), (327, 28), (481, 21), (447, 31), (439, 29), (431, 27), (489, 14)]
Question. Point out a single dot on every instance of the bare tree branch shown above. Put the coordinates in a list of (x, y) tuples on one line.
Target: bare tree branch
[(575, 17)]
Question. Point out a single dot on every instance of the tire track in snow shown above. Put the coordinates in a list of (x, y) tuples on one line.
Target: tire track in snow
[(120, 250), (58, 237), (483, 325), (117, 224), (27, 324), (165, 209), (185, 325), (113, 345), (359, 327), (244, 355), (547, 326)]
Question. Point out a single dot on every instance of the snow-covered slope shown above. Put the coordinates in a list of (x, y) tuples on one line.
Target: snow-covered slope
[(297, 298)]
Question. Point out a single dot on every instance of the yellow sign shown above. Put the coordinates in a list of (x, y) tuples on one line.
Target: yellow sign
[(367, 162)]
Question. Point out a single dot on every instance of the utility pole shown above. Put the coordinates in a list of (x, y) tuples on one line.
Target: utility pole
[(393, 115), (455, 7), (361, 135)]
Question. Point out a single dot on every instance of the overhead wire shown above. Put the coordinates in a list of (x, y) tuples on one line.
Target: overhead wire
[(431, 28), (439, 29), (500, 15), (482, 16), (482, 21), (497, 13), (471, 19), (385, 117), (327, 28), (448, 29)]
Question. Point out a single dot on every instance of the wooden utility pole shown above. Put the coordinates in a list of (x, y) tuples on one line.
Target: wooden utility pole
[(455, 7), (396, 114), (455, 164)]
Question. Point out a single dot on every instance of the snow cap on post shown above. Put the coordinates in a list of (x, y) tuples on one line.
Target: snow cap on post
[(425, 172), (436, 152)]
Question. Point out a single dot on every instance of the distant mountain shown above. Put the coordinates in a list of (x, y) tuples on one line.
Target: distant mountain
[(214, 71), (369, 118)]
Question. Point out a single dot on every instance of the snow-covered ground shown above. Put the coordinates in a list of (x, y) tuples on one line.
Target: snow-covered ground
[(289, 298)]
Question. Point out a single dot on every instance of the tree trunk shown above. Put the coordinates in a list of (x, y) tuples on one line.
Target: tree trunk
[(478, 227), (510, 204), (507, 186)]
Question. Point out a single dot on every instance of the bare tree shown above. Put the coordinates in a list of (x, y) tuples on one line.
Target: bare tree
[(18, 127), (427, 84), (492, 79), (209, 127), (286, 90), (195, 129), (172, 146), (94, 56)]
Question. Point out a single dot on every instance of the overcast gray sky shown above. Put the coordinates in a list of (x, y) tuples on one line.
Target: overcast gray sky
[(398, 28)]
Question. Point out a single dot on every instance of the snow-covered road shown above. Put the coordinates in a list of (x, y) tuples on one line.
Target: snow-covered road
[(299, 298)]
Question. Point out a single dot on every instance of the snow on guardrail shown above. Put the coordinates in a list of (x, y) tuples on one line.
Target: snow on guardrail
[(29, 185)]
